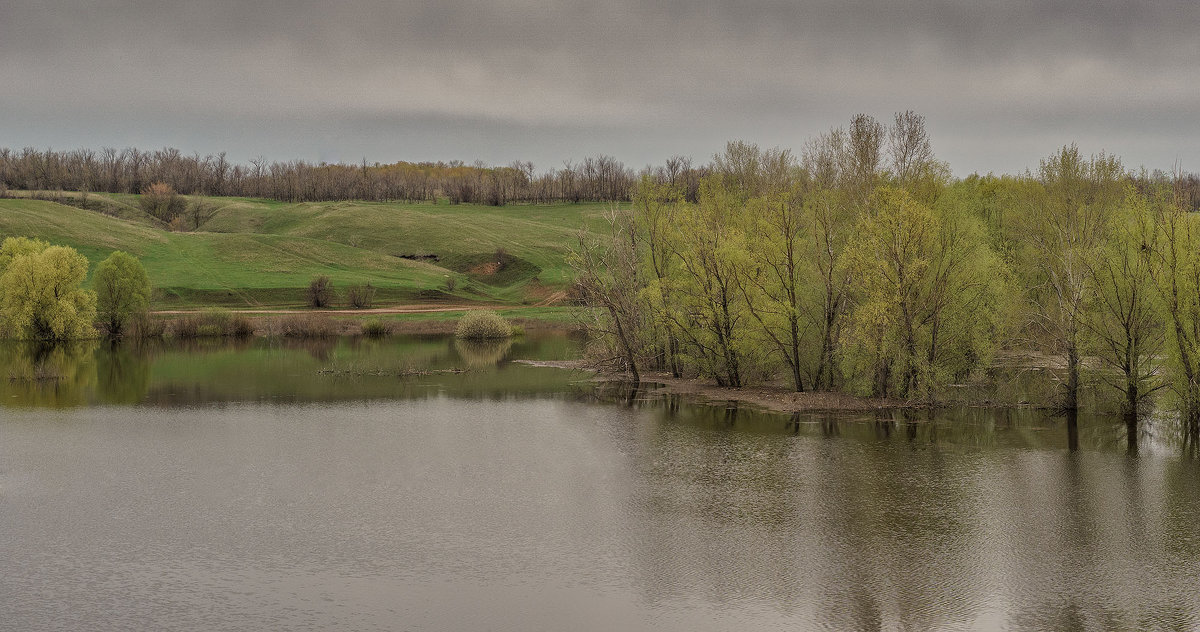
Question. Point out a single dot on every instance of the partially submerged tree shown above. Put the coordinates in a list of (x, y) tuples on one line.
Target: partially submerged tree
[(1122, 321), (1063, 233), (1176, 274), (655, 207)]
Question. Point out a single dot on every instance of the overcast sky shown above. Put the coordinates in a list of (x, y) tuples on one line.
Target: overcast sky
[(1001, 83)]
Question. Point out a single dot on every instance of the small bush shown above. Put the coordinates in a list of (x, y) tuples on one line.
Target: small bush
[(183, 328), (161, 201), (360, 296), (483, 324), (212, 323), (502, 259), (306, 326), (451, 283), (147, 327), (376, 329), (240, 327), (209, 330), (216, 318), (319, 293)]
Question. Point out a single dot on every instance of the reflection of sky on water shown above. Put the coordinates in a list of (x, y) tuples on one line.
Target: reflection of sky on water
[(454, 513)]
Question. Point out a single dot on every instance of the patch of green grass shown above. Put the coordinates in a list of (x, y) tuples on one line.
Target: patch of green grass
[(255, 252)]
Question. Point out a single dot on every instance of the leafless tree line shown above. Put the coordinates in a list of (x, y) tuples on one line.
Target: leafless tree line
[(599, 178), (594, 179)]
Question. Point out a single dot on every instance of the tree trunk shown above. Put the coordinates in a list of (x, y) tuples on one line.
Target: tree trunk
[(1071, 402), (795, 358), (630, 358)]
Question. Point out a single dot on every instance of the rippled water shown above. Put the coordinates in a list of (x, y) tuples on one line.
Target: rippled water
[(511, 497)]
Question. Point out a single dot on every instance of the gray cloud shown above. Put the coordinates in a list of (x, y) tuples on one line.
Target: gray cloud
[(1001, 83)]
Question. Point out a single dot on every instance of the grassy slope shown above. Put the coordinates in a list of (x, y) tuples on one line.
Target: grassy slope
[(461, 237), (258, 252)]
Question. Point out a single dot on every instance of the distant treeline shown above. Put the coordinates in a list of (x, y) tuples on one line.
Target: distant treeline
[(595, 179)]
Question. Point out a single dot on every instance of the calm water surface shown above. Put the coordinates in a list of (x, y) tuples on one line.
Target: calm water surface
[(364, 485)]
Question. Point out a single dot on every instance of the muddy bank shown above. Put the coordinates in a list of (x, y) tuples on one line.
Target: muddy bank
[(767, 397)]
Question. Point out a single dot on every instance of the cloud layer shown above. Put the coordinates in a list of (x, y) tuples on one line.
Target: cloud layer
[(1001, 83)]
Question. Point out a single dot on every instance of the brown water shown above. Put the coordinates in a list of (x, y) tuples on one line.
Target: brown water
[(270, 486)]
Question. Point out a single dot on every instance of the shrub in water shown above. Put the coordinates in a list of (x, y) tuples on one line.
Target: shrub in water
[(483, 324)]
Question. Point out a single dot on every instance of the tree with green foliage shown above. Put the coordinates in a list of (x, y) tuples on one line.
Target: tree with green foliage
[(1122, 321), (775, 280), (828, 223), (1176, 274), (40, 294), (710, 312), (122, 292), (1065, 223), (654, 210), (926, 292)]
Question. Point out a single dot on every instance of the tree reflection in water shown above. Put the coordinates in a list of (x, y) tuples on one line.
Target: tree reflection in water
[(47, 375)]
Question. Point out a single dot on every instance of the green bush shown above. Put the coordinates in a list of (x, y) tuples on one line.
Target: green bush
[(375, 329), (483, 324)]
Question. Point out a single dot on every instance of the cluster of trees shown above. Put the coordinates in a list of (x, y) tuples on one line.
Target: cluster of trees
[(600, 178), (42, 295), (860, 264)]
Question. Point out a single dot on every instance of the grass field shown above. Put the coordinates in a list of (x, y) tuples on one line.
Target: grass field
[(263, 253)]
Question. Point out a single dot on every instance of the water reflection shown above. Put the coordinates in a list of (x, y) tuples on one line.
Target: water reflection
[(1160, 432), (483, 353), (284, 370), (123, 372), (890, 534), (510, 498), (47, 376), (216, 370)]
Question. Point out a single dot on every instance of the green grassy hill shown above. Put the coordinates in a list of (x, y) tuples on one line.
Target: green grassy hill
[(263, 253)]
